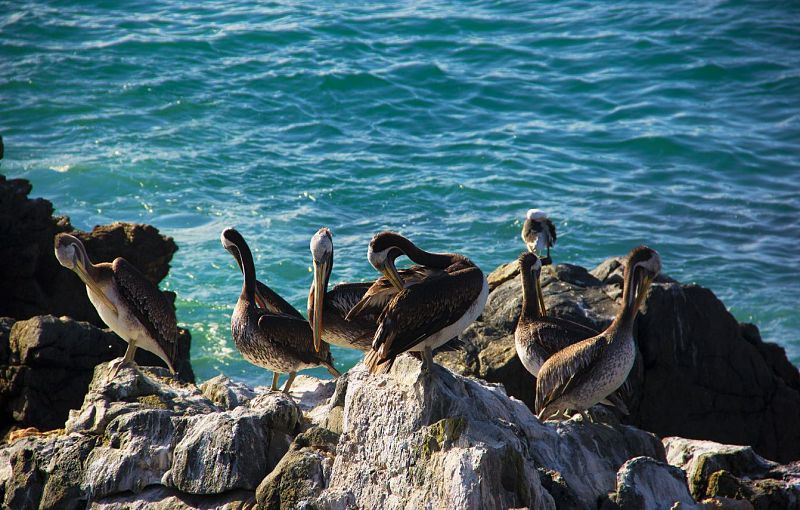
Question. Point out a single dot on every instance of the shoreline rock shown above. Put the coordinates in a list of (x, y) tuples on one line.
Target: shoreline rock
[(698, 373)]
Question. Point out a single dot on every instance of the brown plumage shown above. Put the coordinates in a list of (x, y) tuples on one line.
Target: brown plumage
[(584, 373), (423, 315)]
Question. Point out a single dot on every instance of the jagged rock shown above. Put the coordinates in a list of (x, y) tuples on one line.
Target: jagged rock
[(646, 484), (718, 471), (50, 365), (33, 281), (146, 432), (455, 442), (698, 373), (162, 498), (301, 473), (226, 393)]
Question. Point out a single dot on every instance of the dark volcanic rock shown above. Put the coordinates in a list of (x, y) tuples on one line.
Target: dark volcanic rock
[(33, 281), (698, 373), (51, 363)]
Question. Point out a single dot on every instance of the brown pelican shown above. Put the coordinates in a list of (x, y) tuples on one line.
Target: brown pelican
[(270, 338), (126, 300), (427, 313), (328, 315), (582, 374), (539, 234), (537, 336)]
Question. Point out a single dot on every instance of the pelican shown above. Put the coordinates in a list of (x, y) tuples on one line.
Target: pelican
[(277, 340), (539, 234), (129, 303), (328, 310), (427, 312), (583, 374), (537, 336)]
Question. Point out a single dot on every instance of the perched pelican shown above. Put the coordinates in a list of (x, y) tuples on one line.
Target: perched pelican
[(583, 374), (328, 315), (327, 309), (539, 234), (126, 300), (269, 338), (537, 336), (427, 313)]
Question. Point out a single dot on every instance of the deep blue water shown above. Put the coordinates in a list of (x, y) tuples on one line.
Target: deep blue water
[(675, 124)]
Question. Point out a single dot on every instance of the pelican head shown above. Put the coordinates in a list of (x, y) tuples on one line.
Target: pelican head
[(643, 265), (536, 215), (322, 254), (383, 250), (71, 254), (232, 240)]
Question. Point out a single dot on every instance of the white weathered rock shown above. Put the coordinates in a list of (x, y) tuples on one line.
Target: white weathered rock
[(225, 393), (457, 442), (646, 484)]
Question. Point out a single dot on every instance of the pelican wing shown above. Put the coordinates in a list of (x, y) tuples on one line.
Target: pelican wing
[(567, 369), (292, 336), (344, 296), (552, 230), (148, 304), (552, 334), (382, 291), (275, 303), (423, 309)]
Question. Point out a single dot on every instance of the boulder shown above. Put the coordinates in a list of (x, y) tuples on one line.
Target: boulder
[(412, 441), (50, 364), (647, 484), (719, 472), (698, 373), (145, 432)]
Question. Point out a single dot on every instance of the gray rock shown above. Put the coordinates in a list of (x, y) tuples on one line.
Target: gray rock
[(459, 443), (646, 484), (226, 393), (698, 372), (162, 498), (729, 472)]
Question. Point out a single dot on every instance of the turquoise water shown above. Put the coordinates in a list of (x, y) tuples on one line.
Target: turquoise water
[(676, 124)]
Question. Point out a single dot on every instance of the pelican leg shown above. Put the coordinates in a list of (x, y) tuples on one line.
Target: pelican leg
[(289, 382), (427, 361), (126, 360), (587, 416), (275, 377)]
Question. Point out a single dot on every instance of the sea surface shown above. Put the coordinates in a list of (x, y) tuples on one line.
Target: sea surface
[(675, 124)]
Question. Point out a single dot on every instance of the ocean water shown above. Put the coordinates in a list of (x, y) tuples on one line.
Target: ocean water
[(673, 124)]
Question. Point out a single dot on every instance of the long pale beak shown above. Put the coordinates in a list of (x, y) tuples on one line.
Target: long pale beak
[(539, 295), (391, 274), (320, 272), (94, 287), (641, 289)]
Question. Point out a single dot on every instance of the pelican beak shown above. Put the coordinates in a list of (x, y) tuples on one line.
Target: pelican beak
[(321, 270), (539, 294), (93, 286), (641, 289), (391, 274)]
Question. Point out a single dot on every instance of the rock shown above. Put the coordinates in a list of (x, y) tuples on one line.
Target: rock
[(50, 365), (728, 472), (33, 281), (145, 432), (502, 274), (644, 483), (226, 393), (457, 442), (162, 498), (698, 373), (300, 475)]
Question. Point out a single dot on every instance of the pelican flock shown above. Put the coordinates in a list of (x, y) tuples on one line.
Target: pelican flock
[(416, 310)]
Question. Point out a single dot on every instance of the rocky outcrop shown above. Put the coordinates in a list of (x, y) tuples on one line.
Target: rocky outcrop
[(718, 472), (50, 364), (48, 368), (698, 373), (33, 281), (147, 433), (647, 484), (452, 442)]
